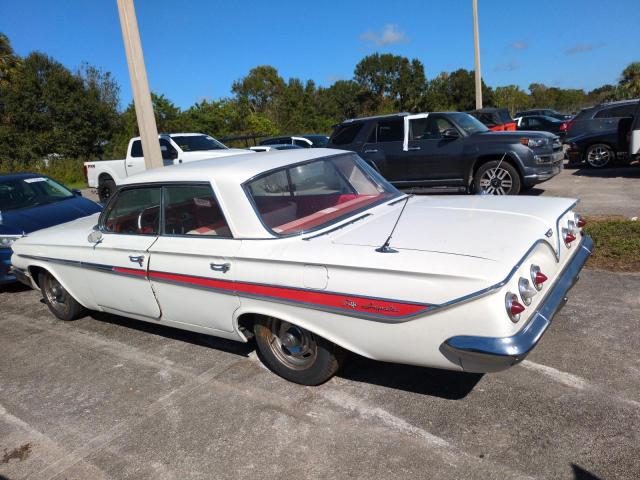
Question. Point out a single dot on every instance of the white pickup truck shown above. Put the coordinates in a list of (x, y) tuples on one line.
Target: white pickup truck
[(176, 148)]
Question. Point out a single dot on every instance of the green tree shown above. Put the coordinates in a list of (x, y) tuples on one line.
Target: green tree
[(630, 79), (395, 82), (512, 98)]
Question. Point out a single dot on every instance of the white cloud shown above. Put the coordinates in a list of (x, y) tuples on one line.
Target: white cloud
[(583, 47), (389, 35)]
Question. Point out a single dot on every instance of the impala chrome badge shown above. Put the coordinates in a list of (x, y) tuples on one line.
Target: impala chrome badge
[(549, 233), (370, 306)]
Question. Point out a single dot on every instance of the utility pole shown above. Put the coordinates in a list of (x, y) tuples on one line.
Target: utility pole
[(139, 85), (476, 45)]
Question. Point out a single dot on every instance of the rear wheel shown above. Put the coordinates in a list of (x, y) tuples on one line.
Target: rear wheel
[(106, 189), (599, 155), (497, 177), (59, 301), (295, 353)]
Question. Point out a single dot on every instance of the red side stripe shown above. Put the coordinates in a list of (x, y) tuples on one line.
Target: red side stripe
[(130, 271), (345, 302)]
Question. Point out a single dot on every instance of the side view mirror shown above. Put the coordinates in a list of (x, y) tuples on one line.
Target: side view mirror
[(450, 133), (95, 236), (76, 192)]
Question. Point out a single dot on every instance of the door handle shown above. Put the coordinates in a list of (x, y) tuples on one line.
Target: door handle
[(129, 165), (139, 259), (220, 267), (371, 151), (411, 149)]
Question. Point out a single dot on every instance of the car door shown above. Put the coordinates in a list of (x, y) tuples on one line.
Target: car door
[(384, 149), (135, 160), (192, 267), (117, 268), (433, 157)]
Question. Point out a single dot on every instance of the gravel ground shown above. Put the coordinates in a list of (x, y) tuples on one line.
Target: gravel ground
[(105, 397)]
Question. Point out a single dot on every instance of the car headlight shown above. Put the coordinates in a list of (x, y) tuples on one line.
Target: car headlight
[(7, 240), (534, 142)]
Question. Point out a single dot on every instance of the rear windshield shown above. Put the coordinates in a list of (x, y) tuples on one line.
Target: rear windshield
[(311, 195), (197, 143)]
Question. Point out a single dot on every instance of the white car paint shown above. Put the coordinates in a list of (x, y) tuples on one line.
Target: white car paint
[(457, 257)]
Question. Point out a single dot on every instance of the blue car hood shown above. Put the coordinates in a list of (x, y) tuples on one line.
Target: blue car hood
[(27, 220)]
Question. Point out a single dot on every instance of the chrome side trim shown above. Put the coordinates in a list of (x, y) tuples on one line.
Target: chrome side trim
[(342, 225), (91, 266), (487, 354)]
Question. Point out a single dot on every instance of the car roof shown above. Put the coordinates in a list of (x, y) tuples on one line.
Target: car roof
[(18, 176), (233, 169)]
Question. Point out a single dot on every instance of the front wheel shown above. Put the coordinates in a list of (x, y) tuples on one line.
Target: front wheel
[(59, 301), (295, 353), (599, 155), (497, 177)]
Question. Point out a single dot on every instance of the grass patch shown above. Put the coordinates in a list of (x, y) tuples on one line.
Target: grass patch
[(617, 243)]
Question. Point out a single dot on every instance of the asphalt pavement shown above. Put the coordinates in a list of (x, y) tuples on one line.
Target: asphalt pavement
[(106, 397)]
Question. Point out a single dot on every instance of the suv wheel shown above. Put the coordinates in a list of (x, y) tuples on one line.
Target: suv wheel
[(599, 155), (497, 178)]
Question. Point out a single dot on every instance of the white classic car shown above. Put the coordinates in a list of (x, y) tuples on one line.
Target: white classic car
[(313, 254)]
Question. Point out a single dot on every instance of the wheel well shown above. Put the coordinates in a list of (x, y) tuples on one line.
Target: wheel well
[(247, 321), (104, 177), (489, 158), (35, 274)]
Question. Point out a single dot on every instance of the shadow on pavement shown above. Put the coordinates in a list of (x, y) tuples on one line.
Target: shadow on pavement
[(13, 288), (445, 384), (629, 171), (582, 474), (201, 339), (426, 381)]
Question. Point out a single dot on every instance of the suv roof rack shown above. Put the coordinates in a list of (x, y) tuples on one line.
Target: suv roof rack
[(401, 114)]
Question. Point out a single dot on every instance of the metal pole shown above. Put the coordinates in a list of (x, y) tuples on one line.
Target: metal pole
[(139, 85), (476, 46)]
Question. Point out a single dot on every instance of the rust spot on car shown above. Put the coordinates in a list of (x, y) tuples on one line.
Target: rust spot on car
[(20, 453)]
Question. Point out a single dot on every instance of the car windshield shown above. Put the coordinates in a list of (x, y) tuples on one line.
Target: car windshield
[(197, 143), (468, 123), (16, 193), (308, 196)]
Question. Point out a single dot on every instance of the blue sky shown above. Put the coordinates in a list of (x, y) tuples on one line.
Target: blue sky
[(195, 49)]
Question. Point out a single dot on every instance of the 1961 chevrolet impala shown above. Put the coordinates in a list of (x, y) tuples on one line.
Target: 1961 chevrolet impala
[(314, 254)]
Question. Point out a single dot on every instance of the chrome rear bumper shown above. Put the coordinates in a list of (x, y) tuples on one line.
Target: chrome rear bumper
[(491, 354)]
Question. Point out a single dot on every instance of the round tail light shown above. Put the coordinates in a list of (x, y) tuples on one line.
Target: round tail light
[(580, 222), (568, 237), (514, 308), (537, 277)]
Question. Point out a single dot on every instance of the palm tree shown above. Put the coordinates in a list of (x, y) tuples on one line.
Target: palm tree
[(630, 79)]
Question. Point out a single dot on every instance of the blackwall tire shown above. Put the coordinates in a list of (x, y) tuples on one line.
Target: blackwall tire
[(296, 354), (60, 302), (106, 190), (497, 177)]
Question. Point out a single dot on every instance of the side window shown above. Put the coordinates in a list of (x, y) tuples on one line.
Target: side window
[(524, 123), (193, 210), (534, 122), (418, 129), (136, 149), (391, 130), (301, 143), (604, 113), (443, 124), (167, 150), (135, 211), (623, 111), (345, 134)]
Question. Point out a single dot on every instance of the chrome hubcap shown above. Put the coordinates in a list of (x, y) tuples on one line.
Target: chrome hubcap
[(56, 294), (598, 156), (292, 345), (496, 181)]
